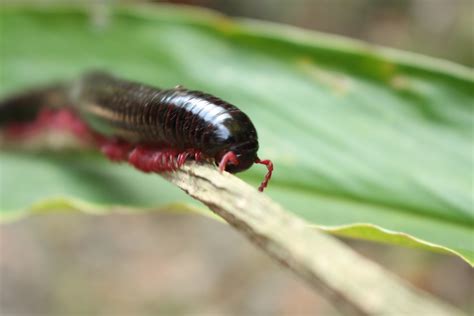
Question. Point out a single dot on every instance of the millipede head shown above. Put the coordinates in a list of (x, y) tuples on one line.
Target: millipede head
[(231, 159)]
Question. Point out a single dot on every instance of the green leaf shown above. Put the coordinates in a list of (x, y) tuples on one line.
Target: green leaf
[(367, 142)]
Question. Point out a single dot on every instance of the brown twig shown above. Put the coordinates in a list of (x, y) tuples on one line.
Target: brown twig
[(352, 283)]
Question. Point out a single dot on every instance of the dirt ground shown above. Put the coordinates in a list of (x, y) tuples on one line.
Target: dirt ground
[(176, 264)]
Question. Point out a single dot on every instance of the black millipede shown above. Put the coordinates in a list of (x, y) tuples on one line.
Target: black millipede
[(156, 130)]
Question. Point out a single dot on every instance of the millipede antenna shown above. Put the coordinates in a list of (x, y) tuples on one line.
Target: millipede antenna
[(268, 176)]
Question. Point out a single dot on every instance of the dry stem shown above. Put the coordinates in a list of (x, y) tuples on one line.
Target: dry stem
[(352, 283)]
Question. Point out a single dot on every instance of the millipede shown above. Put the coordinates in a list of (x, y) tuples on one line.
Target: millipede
[(155, 130)]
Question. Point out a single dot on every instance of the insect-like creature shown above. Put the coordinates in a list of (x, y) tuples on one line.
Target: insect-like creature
[(156, 130)]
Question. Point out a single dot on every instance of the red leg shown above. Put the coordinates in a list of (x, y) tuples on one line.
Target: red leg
[(197, 155), (66, 119), (149, 159), (51, 119), (265, 181), (228, 157), (155, 159), (115, 150)]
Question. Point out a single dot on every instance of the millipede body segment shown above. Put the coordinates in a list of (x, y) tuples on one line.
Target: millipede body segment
[(155, 130)]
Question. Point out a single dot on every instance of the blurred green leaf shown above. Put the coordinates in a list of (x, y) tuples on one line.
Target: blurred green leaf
[(367, 142)]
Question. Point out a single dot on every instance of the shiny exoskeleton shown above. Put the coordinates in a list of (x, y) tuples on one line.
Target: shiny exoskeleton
[(177, 118)]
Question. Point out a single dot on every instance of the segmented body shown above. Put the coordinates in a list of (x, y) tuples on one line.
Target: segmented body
[(158, 129)]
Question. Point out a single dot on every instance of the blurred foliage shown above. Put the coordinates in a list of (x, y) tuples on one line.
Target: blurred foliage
[(441, 28)]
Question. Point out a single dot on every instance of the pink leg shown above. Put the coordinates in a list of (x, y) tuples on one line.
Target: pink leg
[(155, 159), (228, 157), (265, 181)]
